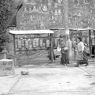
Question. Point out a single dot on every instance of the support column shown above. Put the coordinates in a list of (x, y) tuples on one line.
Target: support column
[(90, 41), (51, 48), (14, 50)]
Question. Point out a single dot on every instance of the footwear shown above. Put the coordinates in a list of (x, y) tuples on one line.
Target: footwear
[(86, 64)]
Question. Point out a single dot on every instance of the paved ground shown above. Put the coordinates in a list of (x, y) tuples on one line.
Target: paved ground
[(52, 79)]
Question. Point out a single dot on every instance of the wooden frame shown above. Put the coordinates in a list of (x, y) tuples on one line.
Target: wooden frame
[(89, 35), (28, 32)]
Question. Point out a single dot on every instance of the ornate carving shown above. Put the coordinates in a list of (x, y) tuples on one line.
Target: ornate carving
[(51, 13)]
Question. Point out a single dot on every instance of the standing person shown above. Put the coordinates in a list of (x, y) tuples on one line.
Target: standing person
[(74, 45), (69, 49), (81, 56), (66, 51), (64, 58), (63, 51)]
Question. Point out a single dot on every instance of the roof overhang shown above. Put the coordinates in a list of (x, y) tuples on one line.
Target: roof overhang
[(81, 29), (57, 28), (21, 32)]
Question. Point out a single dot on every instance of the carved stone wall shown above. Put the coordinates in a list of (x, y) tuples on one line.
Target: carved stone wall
[(47, 14), (81, 13), (41, 14)]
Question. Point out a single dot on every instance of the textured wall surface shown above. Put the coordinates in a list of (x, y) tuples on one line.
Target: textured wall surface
[(81, 13), (46, 14)]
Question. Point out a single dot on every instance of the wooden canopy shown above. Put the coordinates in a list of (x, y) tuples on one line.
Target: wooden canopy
[(81, 29), (21, 32)]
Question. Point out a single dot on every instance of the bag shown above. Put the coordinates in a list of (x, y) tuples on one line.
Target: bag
[(58, 49), (65, 48), (86, 50), (57, 52)]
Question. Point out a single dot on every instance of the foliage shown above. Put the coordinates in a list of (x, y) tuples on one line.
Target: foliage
[(6, 11)]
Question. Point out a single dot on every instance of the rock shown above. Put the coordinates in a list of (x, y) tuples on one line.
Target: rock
[(24, 73)]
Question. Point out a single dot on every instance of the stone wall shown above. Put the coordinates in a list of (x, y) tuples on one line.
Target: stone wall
[(47, 14), (41, 14), (81, 13)]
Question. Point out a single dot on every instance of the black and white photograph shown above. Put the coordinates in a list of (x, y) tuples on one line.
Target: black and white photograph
[(47, 47)]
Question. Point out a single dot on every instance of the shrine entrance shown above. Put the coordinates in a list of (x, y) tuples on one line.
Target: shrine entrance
[(32, 47)]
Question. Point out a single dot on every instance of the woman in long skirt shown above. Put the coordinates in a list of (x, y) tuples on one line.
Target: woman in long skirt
[(81, 55)]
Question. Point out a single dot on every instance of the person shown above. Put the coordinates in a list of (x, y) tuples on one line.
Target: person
[(61, 44), (70, 51), (66, 51), (74, 44), (49, 54), (81, 55)]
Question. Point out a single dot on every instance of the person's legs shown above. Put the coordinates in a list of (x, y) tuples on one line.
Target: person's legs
[(78, 63), (61, 61), (63, 58), (66, 58), (85, 62), (85, 59)]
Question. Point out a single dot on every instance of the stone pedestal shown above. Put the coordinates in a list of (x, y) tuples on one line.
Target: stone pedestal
[(6, 67)]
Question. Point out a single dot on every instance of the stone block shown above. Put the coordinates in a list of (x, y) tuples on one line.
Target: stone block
[(6, 67)]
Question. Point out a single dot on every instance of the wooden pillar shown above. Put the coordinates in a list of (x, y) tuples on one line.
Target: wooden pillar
[(14, 50), (51, 48), (90, 43)]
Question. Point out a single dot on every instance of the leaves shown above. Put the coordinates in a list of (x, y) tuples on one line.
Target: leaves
[(5, 15)]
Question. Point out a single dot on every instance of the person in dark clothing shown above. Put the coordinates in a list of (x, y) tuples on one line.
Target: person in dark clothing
[(49, 54), (64, 56), (64, 52)]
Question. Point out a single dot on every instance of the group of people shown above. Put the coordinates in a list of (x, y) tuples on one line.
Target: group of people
[(73, 51)]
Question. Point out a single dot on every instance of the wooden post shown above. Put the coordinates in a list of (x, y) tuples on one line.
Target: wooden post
[(90, 42), (5, 51), (51, 48), (14, 50)]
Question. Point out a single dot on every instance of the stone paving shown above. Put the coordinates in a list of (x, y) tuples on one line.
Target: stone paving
[(50, 79)]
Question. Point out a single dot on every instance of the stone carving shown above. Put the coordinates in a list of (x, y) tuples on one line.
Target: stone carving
[(81, 14)]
